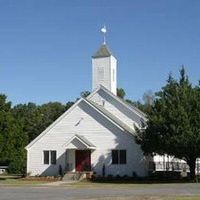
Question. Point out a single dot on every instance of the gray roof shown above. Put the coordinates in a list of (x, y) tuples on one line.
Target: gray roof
[(112, 117), (102, 52), (130, 106)]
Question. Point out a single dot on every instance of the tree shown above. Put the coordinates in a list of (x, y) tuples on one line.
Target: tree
[(173, 126), (148, 98), (84, 94), (143, 107), (20, 125), (35, 119), (48, 113), (69, 104), (137, 104), (30, 118), (146, 104), (12, 139), (121, 93)]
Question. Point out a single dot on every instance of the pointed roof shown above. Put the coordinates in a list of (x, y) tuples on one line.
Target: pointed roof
[(116, 120), (102, 52), (102, 111), (82, 143), (123, 102)]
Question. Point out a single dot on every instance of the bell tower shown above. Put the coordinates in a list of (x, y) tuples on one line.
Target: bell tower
[(104, 68)]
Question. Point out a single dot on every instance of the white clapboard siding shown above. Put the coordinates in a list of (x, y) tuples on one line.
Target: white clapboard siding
[(109, 70), (86, 121)]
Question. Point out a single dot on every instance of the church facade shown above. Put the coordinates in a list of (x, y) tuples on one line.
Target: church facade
[(96, 134)]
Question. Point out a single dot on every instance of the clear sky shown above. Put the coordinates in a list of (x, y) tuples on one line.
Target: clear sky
[(46, 45)]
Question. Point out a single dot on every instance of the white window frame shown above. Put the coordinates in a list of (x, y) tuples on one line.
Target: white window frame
[(118, 155), (49, 151)]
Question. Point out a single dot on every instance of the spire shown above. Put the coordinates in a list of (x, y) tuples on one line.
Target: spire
[(102, 52), (103, 30), (104, 67)]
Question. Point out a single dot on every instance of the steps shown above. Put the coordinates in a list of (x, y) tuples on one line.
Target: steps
[(73, 176)]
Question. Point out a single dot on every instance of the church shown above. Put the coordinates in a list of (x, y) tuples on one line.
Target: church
[(95, 135)]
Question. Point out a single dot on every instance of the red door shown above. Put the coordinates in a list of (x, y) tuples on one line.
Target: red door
[(83, 160)]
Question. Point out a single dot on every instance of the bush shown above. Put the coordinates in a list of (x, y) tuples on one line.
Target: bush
[(17, 166), (110, 177), (134, 174), (118, 176), (126, 177)]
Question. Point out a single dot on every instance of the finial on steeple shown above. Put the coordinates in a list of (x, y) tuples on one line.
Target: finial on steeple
[(103, 30)]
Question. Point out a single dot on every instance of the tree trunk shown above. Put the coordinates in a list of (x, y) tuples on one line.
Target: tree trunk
[(192, 164)]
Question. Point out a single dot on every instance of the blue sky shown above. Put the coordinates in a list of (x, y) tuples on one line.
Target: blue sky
[(46, 45)]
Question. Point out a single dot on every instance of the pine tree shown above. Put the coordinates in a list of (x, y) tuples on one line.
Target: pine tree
[(173, 127)]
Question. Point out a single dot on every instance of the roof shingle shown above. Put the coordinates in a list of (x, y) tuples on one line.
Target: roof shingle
[(102, 52)]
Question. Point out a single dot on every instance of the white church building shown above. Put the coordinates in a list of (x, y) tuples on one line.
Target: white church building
[(96, 134)]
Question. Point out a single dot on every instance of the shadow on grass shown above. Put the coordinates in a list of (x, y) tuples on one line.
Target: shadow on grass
[(141, 181)]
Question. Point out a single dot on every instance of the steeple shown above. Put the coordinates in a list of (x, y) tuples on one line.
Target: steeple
[(104, 68), (102, 52)]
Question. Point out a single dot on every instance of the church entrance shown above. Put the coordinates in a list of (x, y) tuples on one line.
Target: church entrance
[(83, 160)]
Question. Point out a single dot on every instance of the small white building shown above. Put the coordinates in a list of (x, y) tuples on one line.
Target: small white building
[(95, 134)]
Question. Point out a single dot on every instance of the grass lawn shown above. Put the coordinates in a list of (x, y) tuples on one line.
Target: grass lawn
[(16, 179), (10, 176), (17, 182), (88, 184)]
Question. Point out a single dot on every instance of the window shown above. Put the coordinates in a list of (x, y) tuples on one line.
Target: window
[(122, 157), (118, 156), (49, 156), (53, 157), (46, 157), (115, 157)]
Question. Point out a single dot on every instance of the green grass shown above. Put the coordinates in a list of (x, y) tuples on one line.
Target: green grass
[(8, 181), (89, 184), (10, 176)]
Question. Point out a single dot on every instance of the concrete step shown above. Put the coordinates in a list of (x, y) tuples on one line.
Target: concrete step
[(73, 176)]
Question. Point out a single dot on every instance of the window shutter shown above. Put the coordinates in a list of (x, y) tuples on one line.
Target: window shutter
[(46, 157), (115, 157), (122, 156), (53, 157)]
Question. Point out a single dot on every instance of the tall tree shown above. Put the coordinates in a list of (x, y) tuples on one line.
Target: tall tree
[(173, 127), (49, 113), (36, 118), (20, 125), (30, 117), (12, 139), (148, 98)]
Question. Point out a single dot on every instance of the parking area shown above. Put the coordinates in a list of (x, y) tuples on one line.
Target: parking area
[(101, 191)]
